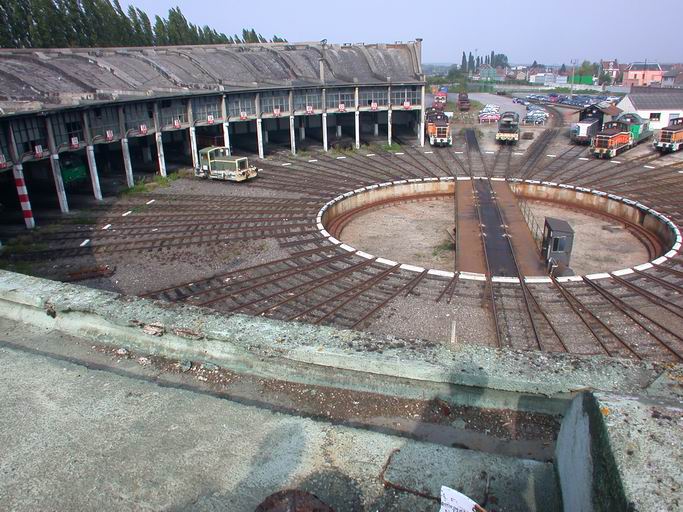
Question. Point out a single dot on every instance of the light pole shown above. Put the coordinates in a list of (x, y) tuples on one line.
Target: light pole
[(571, 85)]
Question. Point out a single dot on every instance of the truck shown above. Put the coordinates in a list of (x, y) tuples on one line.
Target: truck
[(438, 128), (508, 128), (216, 163), (463, 102)]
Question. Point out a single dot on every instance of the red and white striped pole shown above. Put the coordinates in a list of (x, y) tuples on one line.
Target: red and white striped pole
[(19, 182)]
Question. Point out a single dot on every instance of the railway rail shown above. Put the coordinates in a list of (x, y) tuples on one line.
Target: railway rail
[(636, 315)]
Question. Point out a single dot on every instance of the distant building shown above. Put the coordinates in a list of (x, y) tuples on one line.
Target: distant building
[(490, 74), (657, 104), (672, 78), (611, 67), (642, 74)]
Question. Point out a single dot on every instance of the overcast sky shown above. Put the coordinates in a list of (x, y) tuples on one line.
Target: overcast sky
[(525, 30)]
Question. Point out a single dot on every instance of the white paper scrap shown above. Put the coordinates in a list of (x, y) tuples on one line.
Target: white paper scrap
[(453, 501)]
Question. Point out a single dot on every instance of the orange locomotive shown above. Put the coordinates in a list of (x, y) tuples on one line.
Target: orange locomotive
[(670, 138)]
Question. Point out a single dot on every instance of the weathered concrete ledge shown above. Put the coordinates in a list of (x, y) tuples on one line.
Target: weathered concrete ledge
[(301, 351), (618, 452)]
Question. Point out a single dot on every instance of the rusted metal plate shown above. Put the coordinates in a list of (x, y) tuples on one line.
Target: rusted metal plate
[(293, 500)]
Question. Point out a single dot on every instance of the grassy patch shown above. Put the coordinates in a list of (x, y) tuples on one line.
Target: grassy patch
[(391, 148), (476, 106), (147, 185), (445, 246), (21, 267)]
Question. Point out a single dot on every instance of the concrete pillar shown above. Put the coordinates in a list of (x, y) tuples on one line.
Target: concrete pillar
[(226, 137), (193, 147), (422, 118), (160, 153), (56, 168), (20, 184), (325, 131), (127, 165), (292, 135), (302, 128), (259, 137), (357, 117), (376, 129), (226, 125), (92, 167), (59, 183), (338, 128), (389, 125), (90, 154), (158, 137)]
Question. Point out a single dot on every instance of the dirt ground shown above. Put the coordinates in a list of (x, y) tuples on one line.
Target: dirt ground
[(600, 244), (416, 233)]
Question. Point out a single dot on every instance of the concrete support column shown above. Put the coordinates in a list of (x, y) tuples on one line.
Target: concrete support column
[(338, 128), (259, 136), (292, 135), (90, 154), (226, 125), (302, 128), (56, 168), (226, 137), (160, 153), (127, 165), (325, 131), (92, 167), (422, 118), (193, 147), (357, 117), (158, 137), (59, 183), (389, 125), (22, 193)]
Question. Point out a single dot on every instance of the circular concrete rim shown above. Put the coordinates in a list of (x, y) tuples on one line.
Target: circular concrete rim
[(673, 251)]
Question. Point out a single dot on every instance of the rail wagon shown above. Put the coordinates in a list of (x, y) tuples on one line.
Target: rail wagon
[(627, 131), (463, 102), (215, 163), (671, 137), (440, 99), (508, 128), (584, 131), (438, 128)]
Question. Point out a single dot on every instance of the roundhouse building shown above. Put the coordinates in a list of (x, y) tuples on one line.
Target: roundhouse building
[(135, 109)]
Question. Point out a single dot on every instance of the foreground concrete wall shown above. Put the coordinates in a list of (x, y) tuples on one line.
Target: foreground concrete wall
[(301, 351), (332, 357)]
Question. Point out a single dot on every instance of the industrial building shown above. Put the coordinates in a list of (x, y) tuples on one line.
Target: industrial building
[(659, 105), (134, 108)]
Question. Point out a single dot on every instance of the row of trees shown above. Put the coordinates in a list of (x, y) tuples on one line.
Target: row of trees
[(469, 64), (103, 23)]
